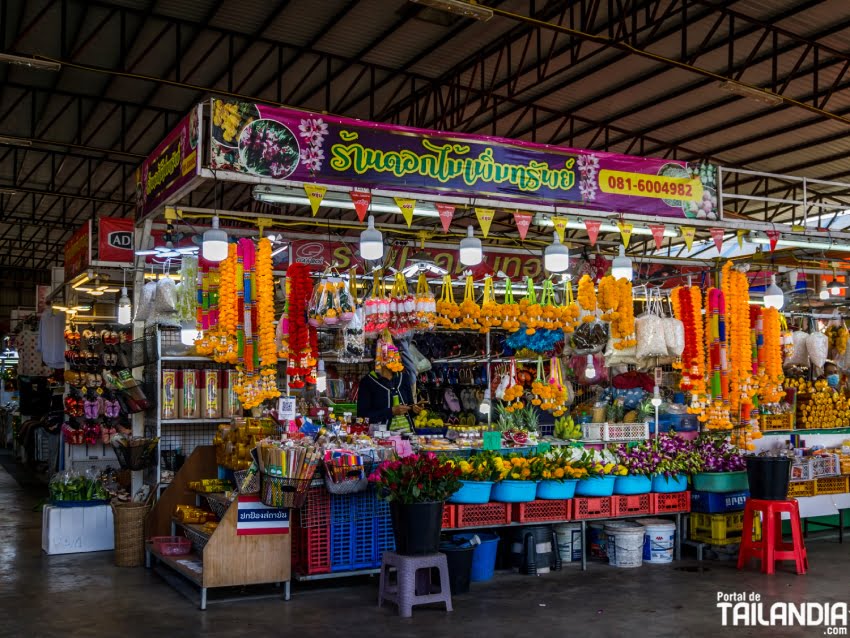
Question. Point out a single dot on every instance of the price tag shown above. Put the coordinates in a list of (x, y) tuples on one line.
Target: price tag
[(657, 186), (492, 441), (286, 409)]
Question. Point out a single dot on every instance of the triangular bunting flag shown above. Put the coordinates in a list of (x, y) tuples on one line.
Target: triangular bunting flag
[(717, 236), (741, 234), (406, 207), (592, 226), (773, 236), (315, 193), (447, 213), (361, 200), (560, 224), (657, 231), (688, 233), (625, 232), (523, 221), (485, 218)]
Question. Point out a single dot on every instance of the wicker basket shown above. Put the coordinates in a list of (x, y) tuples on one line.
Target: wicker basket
[(276, 491), (251, 486), (129, 519)]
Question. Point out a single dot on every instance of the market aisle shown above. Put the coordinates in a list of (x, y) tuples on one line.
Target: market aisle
[(84, 595)]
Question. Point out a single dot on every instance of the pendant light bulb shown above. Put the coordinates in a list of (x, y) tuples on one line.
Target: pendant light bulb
[(556, 257), (371, 242), (214, 246), (773, 295), (824, 291), (835, 289), (590, 370), (621, 267), (125, 308), (470, 249)]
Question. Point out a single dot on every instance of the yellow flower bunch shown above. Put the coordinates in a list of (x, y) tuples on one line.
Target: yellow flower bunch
[(716, 417), (518, 468), (265, 308), (608, 299), (607, 469), (586, 294), (448, 312), (623, 323), (491, 312), (470, 312)]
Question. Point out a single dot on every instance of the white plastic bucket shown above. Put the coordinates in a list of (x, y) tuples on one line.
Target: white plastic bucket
[(569, 541), (625, 544), (659, 540)]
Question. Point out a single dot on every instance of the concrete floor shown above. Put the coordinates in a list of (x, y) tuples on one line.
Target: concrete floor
[(85, 595)]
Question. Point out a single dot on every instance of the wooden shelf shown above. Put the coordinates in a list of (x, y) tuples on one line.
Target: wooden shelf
[(192, 527), (180, 568)]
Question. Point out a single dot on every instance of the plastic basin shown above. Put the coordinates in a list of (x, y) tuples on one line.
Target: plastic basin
[(596, 486), (556, 490), (472, 492), (632, 484), (721, 481), (514, 491), (669, 484)]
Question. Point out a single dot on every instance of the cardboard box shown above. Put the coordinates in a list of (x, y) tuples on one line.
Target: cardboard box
[(72, 530)]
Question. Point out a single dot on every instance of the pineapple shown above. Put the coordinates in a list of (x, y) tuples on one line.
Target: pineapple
[(631, 417), (645, 411)]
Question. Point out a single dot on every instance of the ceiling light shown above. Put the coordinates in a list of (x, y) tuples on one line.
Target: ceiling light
[(468, 9), (278, 195), (470, 249), (773, 295), (556, 257), (371, 242), (545, 219), (824, 292), (214, 247), (761, 95), (621, 267), (799, 243), (277, 251), (41, 65), (125, 308)]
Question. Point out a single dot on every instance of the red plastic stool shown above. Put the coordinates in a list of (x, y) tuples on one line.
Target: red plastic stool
[(771, 547)]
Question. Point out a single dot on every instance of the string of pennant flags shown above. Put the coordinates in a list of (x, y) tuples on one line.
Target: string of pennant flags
[(523, 220)]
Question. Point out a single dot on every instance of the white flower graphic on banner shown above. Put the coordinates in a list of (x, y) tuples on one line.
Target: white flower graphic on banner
[(588, 168), (313, 132)]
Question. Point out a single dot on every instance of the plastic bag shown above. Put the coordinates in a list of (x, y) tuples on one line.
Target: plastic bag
[(420, 360), (166, 296), (402, 308), (651, 341), (353, 339), (376, 315), (619, 357), (590, 338), (817, 347), (799, 355), (187, 292), (345, 301), (145, 305), (426, 305)]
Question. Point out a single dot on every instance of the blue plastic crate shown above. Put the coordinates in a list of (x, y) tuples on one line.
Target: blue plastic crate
[(677, 422), (342, 508), (363, 543), (342, 547), (382, 508), (384, 539), (364, 505), (718, 502)]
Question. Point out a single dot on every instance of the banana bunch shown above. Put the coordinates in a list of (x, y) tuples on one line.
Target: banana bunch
[(422, 420), (567, 429)]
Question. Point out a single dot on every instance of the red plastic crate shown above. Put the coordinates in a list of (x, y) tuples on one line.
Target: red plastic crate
[(541, 511), (484, 514), (632, 505), (593, 507), (448, 516), (663, 502), (316, 511), (311, 550)]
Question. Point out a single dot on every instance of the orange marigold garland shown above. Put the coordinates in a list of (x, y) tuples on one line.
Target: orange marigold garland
[(587, 297), (687, 307), (448, 312), (469, 310), (491, 312), (623, 322), (569, 311), (770, 369), (607, 298), (510, 309), (530, 308)]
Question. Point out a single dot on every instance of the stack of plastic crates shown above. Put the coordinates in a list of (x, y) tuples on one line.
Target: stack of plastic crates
[(311, 534), (360, 531)]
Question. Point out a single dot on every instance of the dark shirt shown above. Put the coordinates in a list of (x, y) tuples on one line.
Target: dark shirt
[(375, 396)]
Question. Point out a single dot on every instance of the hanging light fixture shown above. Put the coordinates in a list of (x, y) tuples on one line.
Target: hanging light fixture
[(470, 249), (824, 292), (835, 288), (371, 242), (621, 267), (773, 295), (486, 403), (556, 257), (590, 370), (125, 308), (214, 247)]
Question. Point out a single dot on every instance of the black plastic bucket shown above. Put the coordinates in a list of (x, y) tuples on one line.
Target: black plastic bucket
[(768, 477), (417, 527), (459, 560)]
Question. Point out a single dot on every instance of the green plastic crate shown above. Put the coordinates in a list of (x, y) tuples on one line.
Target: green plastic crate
[(721, 482)]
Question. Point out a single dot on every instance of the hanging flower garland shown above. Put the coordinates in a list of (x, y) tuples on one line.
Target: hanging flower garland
[(607, 298), (448, 312), (569, 311), (510, 310), (300, 289), (623, 322), (771, 375), (469, 310), (587, 297), (491, 316), (739, 340), (530, 308), (687, 308)]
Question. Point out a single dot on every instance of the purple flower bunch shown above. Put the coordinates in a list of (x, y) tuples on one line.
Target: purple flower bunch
[(669, 455), (717, 454)]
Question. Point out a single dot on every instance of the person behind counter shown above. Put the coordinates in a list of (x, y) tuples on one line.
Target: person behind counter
[(387, 397)]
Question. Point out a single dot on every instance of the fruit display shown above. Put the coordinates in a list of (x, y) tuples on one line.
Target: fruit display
[(567, 429), (427, 419), (819, 406)]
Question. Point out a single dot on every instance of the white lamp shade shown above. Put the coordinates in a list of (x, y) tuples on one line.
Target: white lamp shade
[(621, 267), (214, 246), (590, 370), (125, 308), (824, 292), (773, 295), (556, 257), (835, 289), (371, 242), (470, 249)]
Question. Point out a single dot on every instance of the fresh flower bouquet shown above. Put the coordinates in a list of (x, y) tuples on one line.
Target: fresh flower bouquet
[(604, 463), (669, 455), (521, 468), (420, 478), (561, 466), (716, 454), (487, 466)]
